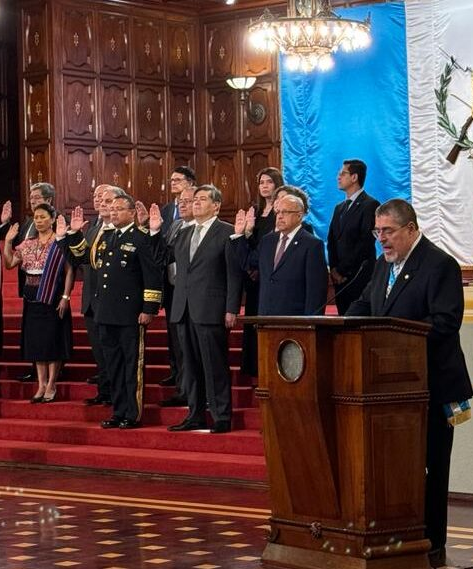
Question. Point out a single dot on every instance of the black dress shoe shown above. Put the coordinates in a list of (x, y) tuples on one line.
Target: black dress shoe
[(168, 381), (129, 424), (112, 423), (93, 380), (98, 400), (438, 557), (188, 426), (174, 401), (221, 427)]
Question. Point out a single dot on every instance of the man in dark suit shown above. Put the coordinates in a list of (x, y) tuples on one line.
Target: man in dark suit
[(176, 357), (290, 261), (104, 195), (182, 178), (416, 280), (128, 295), (206, 301), (350, 243)]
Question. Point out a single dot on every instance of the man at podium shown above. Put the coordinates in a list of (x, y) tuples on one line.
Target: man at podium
[(416, 280)]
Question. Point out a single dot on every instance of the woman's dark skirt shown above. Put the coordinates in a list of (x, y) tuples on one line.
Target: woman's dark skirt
[(44, 336)]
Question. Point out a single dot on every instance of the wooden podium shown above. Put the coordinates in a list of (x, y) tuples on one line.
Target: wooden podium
[(344, 406)]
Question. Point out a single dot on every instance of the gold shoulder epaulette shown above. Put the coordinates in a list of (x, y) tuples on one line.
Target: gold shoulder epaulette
[(143, 229), (152, 295), (79, 250)]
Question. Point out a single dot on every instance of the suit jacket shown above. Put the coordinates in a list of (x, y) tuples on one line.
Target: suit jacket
[(298, 285), (210, 285), (89, 285), (168, 215), (350, 241), (428, 289)]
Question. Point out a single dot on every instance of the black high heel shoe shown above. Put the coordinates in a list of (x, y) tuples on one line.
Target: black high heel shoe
[(37, 399), (49, 399)]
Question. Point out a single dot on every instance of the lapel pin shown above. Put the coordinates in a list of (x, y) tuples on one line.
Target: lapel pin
[(406, 277), (295, 242)]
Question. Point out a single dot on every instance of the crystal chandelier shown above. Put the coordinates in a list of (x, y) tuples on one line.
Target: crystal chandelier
[(309, 34)]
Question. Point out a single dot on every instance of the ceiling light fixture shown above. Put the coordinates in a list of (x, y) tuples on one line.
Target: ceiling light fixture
[(309, 34)]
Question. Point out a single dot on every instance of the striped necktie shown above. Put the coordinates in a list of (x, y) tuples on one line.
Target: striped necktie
[(393, 274)]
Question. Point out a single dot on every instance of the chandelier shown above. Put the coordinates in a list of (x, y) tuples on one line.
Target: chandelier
[(310, 34)]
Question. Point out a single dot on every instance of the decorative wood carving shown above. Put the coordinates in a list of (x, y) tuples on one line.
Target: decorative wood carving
[(180, 158), (80, 177), (182, 117), (221, 40), (150, 115), (148, 49), (115, 112), (114, 34), (38, 165), (264, 94), (180, 52), (35, 45), (150, 185), (117, 168), (36, 89), (79, 108), (253, 162), (222, 117), (224, 174), (77, 39)]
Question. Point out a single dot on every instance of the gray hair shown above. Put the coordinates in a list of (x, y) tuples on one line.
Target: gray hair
[(47, 190), (214, 193), (400, 210)]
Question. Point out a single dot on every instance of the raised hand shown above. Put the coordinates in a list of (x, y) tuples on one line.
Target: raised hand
[(6, 212), (240, 222), (61, 227), (141, 213), (250, 220), (155, 219), (77, 219), (12, 232)]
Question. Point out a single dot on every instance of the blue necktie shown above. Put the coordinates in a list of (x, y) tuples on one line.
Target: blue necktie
[(393, 274)]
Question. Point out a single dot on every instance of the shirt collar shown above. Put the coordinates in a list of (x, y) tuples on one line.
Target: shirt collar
[(353, 197), (290, 235), (126, 228)]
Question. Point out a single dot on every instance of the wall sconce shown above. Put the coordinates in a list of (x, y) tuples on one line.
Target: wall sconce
[(256, 112)]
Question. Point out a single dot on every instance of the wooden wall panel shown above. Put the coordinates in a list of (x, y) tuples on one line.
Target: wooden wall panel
[(115, 111), (148, 49), (150, 184), (222, 115), (38, 165), (77, 48), (116, 168), (181, 56), (264, 132), (79, 108), (150, 114), (114, 36), (182, 117), (36, 89), (224, 174), (221, 50), (81, 166), (35, 39)]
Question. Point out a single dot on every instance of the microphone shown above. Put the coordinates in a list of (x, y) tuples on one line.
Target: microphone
[(345, 286)]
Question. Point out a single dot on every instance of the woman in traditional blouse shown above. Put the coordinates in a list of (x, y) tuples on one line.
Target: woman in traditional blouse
[(46, 332), (267, 180)]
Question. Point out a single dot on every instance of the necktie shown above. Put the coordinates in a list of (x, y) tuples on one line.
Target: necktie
[(345, 208), (176, 212), (115, 237), (393, 274), (195, 241), (280, 250)]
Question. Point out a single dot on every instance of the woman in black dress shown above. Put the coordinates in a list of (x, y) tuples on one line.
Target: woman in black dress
[(46, 331), (267, 180)]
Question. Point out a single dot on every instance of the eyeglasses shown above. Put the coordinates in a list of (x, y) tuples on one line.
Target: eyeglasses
[(344, 173), (185, 202), (177, 180), (386, 231), (285, 212)]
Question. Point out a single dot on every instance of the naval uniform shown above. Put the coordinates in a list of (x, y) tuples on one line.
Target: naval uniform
[(129, 282)]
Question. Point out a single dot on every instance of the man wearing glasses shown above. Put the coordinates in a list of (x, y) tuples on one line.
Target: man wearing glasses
[(290, 261), (416, 280), (351, 247), (182, 178)]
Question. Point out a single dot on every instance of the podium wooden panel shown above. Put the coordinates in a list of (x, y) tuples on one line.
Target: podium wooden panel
[(345, 442)]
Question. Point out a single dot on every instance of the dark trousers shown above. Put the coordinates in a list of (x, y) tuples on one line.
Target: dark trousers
[(439, 448), (176, 357), (123, 348), (206, 371), (103, 384)]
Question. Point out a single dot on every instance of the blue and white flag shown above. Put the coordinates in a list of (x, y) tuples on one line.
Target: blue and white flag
[(379, 105)]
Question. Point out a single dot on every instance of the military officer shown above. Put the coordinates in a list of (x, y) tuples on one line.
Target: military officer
[(129, 285)]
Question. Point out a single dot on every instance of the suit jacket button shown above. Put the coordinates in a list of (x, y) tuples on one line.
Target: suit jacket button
[(104, 286)]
